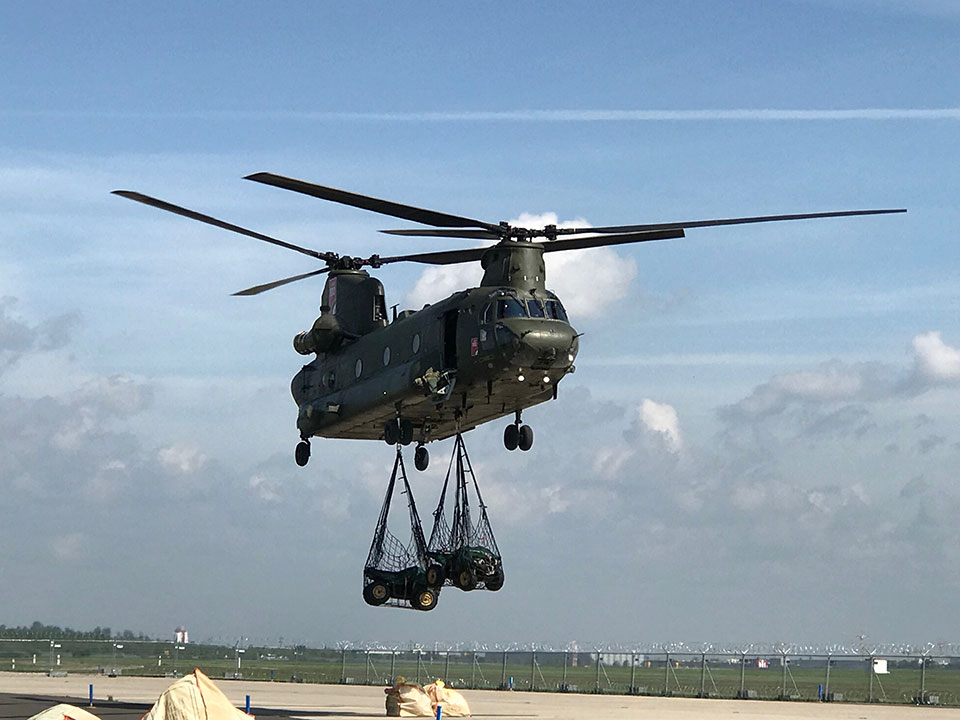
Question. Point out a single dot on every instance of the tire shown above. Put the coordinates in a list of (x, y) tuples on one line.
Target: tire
[(466, 579), (511, 437), (525, 441), (421, 458), (406, 432), (302, 454), (435, 576), (495, 581), (391, 432), (425, 599), (376, 593)]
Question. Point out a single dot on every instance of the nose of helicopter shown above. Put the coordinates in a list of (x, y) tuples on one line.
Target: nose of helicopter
[(548, 345)]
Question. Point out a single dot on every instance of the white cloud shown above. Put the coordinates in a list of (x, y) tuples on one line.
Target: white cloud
[(182, 459), (661, 418), (935, 360)]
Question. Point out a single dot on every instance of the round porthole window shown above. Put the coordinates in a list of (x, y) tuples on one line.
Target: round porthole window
[(359, 367), (386, 356), (416, 343)]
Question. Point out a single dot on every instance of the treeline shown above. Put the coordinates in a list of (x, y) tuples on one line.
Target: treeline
[(39, 631)]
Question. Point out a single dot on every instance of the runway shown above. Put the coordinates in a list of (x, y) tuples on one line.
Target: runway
[(127, 698)]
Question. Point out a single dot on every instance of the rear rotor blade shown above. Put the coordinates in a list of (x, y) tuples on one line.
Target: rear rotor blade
[(177, 210), (257, 289), (618, 239), (446, 233), (365, 202), (727, 221)]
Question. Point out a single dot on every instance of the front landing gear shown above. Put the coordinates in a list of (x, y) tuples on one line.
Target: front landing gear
[(518, 436), (302, 454), (421, 458)]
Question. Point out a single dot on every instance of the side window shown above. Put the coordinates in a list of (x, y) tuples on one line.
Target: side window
[(535, 308), (554, 310), (510, 308)]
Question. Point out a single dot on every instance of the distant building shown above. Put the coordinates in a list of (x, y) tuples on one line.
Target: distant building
[(762, 663), (181, 635)]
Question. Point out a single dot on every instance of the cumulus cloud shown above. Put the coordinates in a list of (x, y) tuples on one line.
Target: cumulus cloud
[(935, 361), (18, 338), (662, 419)]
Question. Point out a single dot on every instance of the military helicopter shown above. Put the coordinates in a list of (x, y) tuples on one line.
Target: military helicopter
[(481, 354)]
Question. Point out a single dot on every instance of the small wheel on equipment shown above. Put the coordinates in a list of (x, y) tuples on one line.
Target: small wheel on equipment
[(425, 599), (525, 441), (302, 454), (511, 437), (495, 581), (406, 432), (466, 579), (421, 458), (391, 432), (435, 576), (376, 593)]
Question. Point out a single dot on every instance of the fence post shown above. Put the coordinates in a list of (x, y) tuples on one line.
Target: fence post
[(446, 669), (597, 688), (743, 676), (633, 674), (870, 671), (703, 673), (343, 665), (923, 680), (366, 673), (666, 674), (783, 682), (826, 682), (533, 669), (419, 665), (503, 672), (563, 682), (393, 666), (473, 671)]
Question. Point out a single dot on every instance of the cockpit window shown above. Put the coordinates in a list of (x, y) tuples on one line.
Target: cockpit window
[(510, 308), (487, 316), (554, 310), (535, 308)]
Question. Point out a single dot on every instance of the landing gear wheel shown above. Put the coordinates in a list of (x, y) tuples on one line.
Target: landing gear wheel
[(421, 458), (525, 441), (391, 432), (425, 599), (466, 579), (376, 593), (495, 581), (511, 437), (302, 454), (406, 432), (435, 576)]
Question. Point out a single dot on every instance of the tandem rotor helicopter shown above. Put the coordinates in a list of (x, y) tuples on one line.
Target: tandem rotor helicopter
[(481, 354)]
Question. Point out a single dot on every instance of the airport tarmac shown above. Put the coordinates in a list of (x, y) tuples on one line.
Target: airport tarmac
[(127, 698)]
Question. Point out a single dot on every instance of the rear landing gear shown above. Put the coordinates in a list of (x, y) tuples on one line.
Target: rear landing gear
[(302, 454), (518, 436), (421, 458)]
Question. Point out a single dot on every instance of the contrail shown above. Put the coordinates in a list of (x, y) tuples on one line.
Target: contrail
[(527, 116)]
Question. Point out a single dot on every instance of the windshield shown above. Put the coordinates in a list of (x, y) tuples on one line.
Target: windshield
[(535, 308), (554, 310), (510, 308)]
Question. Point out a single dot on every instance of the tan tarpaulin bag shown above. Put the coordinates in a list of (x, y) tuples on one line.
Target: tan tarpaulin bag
[(454, 704), (64, 712), (408, 700), (194, 697)]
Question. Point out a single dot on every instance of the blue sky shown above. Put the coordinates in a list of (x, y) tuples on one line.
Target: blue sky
[(763, 401)]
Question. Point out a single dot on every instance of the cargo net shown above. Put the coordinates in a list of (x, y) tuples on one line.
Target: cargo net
[(394, 572), (463, 544)]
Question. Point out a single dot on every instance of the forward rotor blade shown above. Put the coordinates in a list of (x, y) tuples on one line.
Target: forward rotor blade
[(443, 257), (446, 233), (177, 210), (727, 221), (619, 239), (257, 289), (365, 202)]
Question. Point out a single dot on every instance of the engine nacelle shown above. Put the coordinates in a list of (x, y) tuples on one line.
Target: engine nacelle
[(324, 336)]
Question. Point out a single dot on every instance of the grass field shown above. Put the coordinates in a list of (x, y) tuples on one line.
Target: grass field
[(803, 679)]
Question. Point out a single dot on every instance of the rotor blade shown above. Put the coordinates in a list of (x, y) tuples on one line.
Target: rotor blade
[(365, 202), (177, 210), (257, 289), (446, 233), (603, 240), (443, 257), (726, 221)]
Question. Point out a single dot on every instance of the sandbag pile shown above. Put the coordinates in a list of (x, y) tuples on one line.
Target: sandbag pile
[(410, 700), (64, 712), (194, 697)]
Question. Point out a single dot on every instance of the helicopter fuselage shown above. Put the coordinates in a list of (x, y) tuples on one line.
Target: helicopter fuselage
[(476, 356)]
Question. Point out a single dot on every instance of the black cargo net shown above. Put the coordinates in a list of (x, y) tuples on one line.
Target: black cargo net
[(460, 531), (386, 551)]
